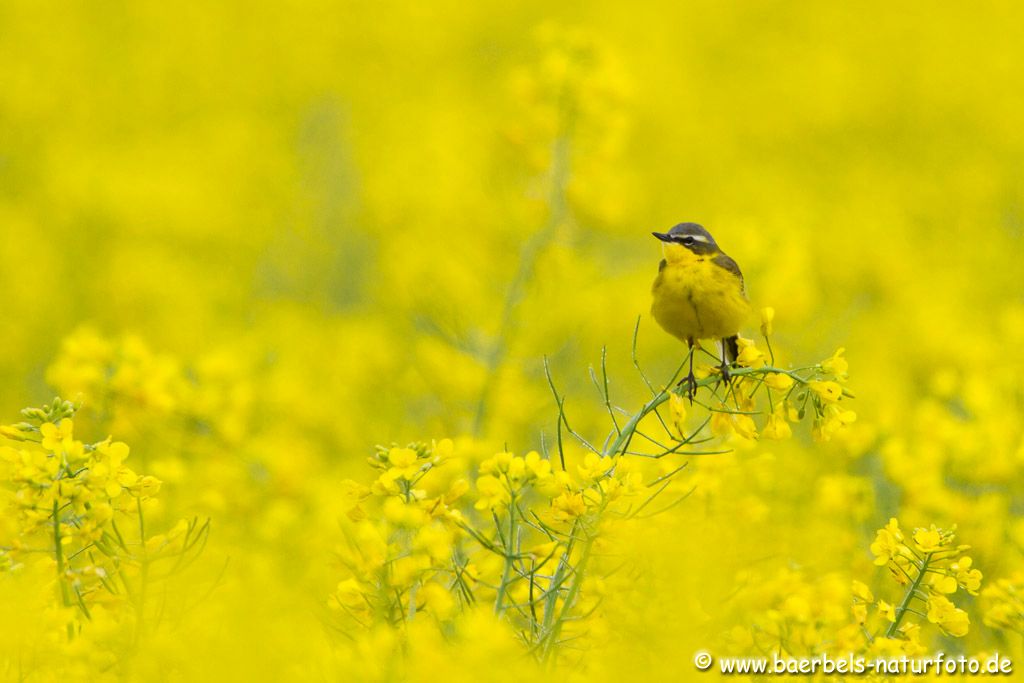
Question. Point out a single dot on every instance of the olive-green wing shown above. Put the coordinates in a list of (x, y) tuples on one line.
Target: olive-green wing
[(657, 280), (723, 260)]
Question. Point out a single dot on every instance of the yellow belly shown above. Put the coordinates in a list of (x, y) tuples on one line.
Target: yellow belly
[(698, 300)]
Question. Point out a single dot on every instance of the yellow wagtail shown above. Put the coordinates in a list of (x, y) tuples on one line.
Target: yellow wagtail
[(699, 294)]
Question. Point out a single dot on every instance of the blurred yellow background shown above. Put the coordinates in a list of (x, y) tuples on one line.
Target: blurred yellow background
[(344, 224)]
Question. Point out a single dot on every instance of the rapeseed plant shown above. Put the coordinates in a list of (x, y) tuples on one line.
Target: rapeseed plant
[(531, 539), (77, 507)]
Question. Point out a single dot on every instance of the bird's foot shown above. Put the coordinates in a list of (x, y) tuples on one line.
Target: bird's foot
[(724, 370), (691, 386), (725, 377)]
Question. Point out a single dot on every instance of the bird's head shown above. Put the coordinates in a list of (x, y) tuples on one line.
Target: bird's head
[(687, 237)]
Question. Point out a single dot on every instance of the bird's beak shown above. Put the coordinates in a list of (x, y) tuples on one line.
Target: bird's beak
[(663, 236)]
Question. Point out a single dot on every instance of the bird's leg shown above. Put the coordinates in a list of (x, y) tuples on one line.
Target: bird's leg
[(690, 380), (724, 367)]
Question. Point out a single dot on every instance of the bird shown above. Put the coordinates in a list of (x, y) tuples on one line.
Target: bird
[(699, 294)]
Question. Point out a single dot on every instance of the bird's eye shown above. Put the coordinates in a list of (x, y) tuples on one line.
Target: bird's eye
[(687, 240)]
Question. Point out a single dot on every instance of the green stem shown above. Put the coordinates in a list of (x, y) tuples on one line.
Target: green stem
[(558, 209), (58, 551), (143, 574), (510, 557), (551, 636), (909, 597), (621, 442), (556, 581)]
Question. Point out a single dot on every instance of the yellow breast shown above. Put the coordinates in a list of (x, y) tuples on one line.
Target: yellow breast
[(697, 299)]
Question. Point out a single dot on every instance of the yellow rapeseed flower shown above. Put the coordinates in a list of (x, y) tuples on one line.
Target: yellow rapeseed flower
[(778, 381), (887, 543), (862, 592), (827, 390), (594, 466), (836, 365), (966, 575), (493, 493), (767, 316), (568, 506), (56, 436), (928, 540), (947, 616), (536, 466), (777, 428), (11, 432), (750, 356), (746, 428), (721, 423), (404, 462)]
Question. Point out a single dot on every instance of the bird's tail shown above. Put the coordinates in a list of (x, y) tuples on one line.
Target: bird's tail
[(730, 349)]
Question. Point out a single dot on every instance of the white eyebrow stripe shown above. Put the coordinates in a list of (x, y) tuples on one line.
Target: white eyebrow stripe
[(699, 238)]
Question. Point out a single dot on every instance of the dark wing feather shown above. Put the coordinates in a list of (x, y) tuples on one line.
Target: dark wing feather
[(730, 346), (723, 260)]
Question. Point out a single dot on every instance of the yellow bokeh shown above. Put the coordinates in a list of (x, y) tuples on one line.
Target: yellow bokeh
[(258, 241)]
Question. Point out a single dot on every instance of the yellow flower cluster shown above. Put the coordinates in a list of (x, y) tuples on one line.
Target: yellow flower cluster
[(1005, 600), (790, 394), (80, 505), (420, 539), (798, 614), (139, 386), (931, 567)]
